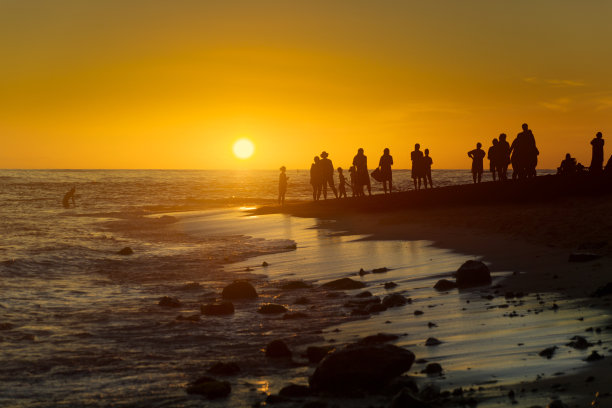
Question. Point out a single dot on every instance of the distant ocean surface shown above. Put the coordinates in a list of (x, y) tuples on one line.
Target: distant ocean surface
[(80, 324)]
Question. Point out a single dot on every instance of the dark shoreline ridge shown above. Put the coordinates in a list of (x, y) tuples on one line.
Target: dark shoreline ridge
[(539, 189)]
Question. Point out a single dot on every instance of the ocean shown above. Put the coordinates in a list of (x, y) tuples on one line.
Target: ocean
[(80, 324)]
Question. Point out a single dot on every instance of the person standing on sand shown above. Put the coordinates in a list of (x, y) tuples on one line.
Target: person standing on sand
[(341, 183), (477, 155), (385, 163), (598, 154), (417, 166), (503, 157), (427, 162), (353, 179), (327, 174), (282, 185), (69, 196), (360, 161), (493, 159), (315, 178)]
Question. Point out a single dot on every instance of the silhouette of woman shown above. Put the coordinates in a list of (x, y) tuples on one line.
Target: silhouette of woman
[(493, 159), (417, 166), (360, 161), (385, 163), (477, 155), (315, 178), (503, 157), (598, 154), (327, 173), (282, 185)]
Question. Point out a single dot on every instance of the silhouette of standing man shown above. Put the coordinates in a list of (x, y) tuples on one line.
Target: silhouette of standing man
[(327, 171), (282, 185), (503, 157), (477, 155), (315, 178), (69, 196), (598, 153), (360, 161), (385, 163), (417, 166), (493, 159)]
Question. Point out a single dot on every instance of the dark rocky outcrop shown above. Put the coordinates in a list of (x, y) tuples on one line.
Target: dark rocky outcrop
[(210, 388), (278, 349), (444, 285), (605, 290), (239, 290), (316, 353), (294, 285), (548, 352), (579, 342), (168, 301), (217, 309), (221, 368), (359, 367), (126, 251), (343, 284), (271, 308), (390, 285), (394, 300), (364, 294), (594, 356), (432, 369), (473, 273)]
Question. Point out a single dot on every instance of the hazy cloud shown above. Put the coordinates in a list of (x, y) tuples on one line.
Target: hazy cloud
[(559, 104), (557, 83)]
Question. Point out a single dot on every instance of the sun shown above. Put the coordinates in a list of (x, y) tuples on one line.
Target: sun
[(244, 148)]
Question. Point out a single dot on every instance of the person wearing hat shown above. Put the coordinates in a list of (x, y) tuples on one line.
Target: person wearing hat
[(327, 173)]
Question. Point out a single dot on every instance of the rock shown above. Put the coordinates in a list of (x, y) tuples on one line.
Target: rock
[(582, 257), (210, 388), (126, 251), (473, 273), (221, 368), (239, 290), (301, 301), (294, 315), (294, 391), (405, 398), (360, 368), (594, 356), (168, 301), (444, 284), (390, 285), (264, 264), (375, 308), (278, 349), (556, 404), (548, 352), (217, 309), (603, 290), (418, 312), (432, 369), (316, 353), (579, 342), (343, 284), (380, 270), (362, 272), (271, 308), (191, 286), (432, 341), (295, 285), (394, 300), (378, 338), (365, 294), (430, 325)]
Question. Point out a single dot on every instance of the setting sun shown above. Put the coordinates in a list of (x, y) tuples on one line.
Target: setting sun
[(244, 148)]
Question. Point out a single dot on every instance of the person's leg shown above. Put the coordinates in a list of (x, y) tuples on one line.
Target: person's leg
[(474, 176)]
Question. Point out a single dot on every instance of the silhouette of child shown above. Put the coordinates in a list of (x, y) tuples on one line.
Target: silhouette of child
[(282, 185), (69, 196), (477, 155), (341, 184), (427, 162)]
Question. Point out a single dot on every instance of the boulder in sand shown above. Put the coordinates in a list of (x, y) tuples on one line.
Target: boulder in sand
[(548, 352), (316, 353), (168, 301), (239, 290), (217, 309), (394, 300), (432, 369), (271, 308), (444, 284), (343, 284), (579, 342), (210, 388), (473, 273), (360, 367), (594, 356), (278, 349), (126, 251), (432, 341)]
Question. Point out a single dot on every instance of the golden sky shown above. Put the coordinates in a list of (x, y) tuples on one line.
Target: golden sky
[(172, 84)]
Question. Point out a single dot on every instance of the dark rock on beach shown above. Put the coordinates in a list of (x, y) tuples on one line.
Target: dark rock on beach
[(316, 353), (579, 342), (126, 251), (432, 369), (394, 300), (168, 301), (548, 352), (239, 290), (365, 294), (278, 349), (343, 284), (444, 285), (390, 285), (217, 309), (603, 290), (295, 285), (473, 273), (380, 270), (432, 341), (582, 257), (378, 338), (594, 356), (210, 388), (221, 368), (271, 308), (360, 367)]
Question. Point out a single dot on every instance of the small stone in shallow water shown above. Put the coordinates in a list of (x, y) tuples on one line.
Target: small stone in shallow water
[(264, 264), (432, 341), (548, 352), (126, 251), (239, 290), (594, 356), (278, 349)]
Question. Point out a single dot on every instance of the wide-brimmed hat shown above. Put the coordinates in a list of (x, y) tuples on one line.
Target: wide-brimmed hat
[(324, 154)]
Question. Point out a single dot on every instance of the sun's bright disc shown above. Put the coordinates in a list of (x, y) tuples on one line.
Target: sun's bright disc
[(244, 148)]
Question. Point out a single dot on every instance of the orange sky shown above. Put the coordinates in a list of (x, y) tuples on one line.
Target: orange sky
[(160, 84)]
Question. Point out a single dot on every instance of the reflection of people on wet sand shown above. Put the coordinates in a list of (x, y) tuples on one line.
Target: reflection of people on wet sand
[(341, 183), (492, 154), (69, 196), (327, 174), (417, 166), (477, 155), (385, 163), (315, 178), (598, 154), (360, 161), (568, 166), (427, 162), (282, 185), (502, 151)]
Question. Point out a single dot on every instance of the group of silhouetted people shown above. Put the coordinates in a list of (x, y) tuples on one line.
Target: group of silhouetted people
[(569, 166), (421, 167)]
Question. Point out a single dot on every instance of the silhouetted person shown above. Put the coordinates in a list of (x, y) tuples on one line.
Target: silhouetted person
[(524, 157), (353, 179), (492, 156), (69, 196), (477, 155), (598, 154), (282, 185), (427, 162), (316, 178), (327, 172), (385, 163), (568, 166), (341, 183), (360, 161), (503, 157), (417, 166)]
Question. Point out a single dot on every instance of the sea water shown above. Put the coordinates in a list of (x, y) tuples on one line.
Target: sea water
[(80, 325)]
